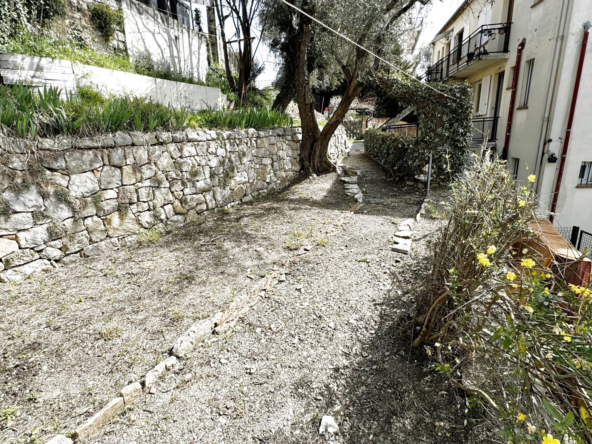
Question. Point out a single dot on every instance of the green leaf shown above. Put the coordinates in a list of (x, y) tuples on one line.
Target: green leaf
[(507, 342), (569, 419), (496, 336), (552, 410)]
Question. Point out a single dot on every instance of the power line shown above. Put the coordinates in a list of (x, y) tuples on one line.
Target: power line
[(362, 48)]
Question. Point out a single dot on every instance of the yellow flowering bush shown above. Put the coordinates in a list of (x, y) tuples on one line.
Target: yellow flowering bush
[(518, 330)]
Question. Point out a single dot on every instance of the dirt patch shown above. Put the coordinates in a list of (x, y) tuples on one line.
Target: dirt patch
[(323, 341)]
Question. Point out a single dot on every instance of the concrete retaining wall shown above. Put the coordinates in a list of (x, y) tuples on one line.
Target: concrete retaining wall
[(41, 71)]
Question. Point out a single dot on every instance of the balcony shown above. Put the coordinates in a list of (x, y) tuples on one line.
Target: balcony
[(485, 126), (485, 47)]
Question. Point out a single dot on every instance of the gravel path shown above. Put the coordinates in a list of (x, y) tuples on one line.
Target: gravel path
[(323, 342)]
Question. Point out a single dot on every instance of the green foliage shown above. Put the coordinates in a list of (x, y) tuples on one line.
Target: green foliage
[(47, 44), (106, 20), (445, 130), (515, 334), (144, 65), (17, 16), (216, 77), (26, 113)]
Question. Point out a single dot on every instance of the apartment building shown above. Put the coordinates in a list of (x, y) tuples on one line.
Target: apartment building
[(530, 67)]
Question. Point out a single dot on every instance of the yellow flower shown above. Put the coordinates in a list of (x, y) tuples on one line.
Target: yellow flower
[(531, 178), (546, 291), (483, 260), (567, 338), (510, 276), (550, 440), (521, 416), (515, 285), (491, 249), (528, 308), (521, 203), (528, 263), (548, 276)]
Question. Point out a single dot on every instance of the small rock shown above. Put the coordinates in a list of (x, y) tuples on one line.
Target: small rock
[(328, 426), (404, 234)]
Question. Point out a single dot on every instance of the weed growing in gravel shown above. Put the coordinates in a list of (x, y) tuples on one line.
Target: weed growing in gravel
[(363, 259), (149, 236), (300, 237), (8, 414), (177, 315), (111, 332)]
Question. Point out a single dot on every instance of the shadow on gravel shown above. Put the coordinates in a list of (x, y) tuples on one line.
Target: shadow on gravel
[(393, 396)]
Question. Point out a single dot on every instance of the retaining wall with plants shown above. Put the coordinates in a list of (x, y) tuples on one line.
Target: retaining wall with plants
[(64, 198)]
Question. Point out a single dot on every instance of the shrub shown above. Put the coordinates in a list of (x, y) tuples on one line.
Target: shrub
[(17, 16), (511, 331), (106, 20), (393, 152)]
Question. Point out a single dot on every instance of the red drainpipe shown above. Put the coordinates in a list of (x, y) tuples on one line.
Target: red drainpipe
[(572, 112), (513, 99)]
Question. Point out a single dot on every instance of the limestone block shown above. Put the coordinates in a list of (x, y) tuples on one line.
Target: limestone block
[(141, 155), (203, 186), (57, 209), (122, 139), (145, 194), (117, 157), (108, 194), (96, 228), (183, 164), (162, 196), (24, 198), (131, 392), (102, 418), (121, 224), (189, 340), (21, 273), (164, 137), (148, 171), (110, 177), (127, 195), (19, 257), (179, 136), (142, 139), (188, 150), (101, 248), (147, 219), (55, 144), (7, 246), (34, 237), (176, 185), (14, 222), (107, 207), (84, 184), (156, 373), (52, 254), (154, 153), (210, 201), (169, 211), (173, 150), (75, 242), (131, 174), (175, 222), (53, 179), (83, 161), (165, 162), (197, 172), (192, 201), (238, 193), (178, 208), (94, 142)]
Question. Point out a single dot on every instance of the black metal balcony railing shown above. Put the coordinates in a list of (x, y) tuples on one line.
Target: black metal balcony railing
[(485, 126), (488, 39)]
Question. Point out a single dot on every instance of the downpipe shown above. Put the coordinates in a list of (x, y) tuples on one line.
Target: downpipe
[(572, 112), (506, 149)]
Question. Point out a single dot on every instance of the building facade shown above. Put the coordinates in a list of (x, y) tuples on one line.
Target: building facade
[(525, 60)]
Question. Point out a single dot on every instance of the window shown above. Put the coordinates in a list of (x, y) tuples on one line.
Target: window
[(515, 167), (585, 177), (477, 97), (528, 68)]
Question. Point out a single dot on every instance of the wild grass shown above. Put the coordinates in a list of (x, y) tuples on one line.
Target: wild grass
[(28, 113)]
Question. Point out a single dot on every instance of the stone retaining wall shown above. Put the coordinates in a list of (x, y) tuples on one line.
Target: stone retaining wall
[(65, 198)]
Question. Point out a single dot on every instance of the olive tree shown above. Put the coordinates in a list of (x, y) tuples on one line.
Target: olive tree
[(312, 54)]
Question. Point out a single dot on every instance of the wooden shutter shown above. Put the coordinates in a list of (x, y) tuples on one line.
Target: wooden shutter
[(484, 98)]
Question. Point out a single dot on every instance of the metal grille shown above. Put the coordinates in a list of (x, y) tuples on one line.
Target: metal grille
[(485, 125), (565, 232), (585, 242)]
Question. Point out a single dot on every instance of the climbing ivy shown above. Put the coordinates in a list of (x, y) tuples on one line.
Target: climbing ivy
[(24, 15), (444, 130), (106, 20)]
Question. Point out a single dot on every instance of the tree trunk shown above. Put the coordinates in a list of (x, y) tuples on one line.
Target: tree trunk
[(222, 21), (320, 150), (310, 127)]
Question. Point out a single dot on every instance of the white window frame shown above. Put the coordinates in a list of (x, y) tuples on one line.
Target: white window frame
[(527, 83)]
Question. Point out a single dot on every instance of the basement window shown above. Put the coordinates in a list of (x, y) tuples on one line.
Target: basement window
[(515, 167), (585, 176)]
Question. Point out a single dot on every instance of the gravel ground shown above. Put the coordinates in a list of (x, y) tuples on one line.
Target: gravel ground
[(325, 341)]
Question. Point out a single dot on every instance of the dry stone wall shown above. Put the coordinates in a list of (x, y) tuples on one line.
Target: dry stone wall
[(64, 198)]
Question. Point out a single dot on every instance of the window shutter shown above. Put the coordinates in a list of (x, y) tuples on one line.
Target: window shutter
[(484, 99)]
